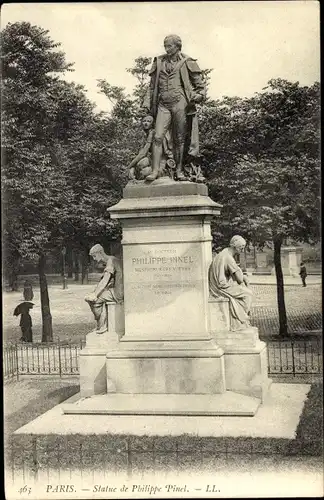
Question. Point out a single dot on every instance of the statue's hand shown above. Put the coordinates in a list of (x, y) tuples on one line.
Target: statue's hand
[(147, 111), (91, 297), (196, 98), (245, 280)]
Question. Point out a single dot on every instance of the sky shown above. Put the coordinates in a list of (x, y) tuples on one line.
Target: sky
[(246, 43)]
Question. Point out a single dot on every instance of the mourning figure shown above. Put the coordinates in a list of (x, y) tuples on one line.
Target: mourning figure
[(176, 86), (226, 279), (109, 288)]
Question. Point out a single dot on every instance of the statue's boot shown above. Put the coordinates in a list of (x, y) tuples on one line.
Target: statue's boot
[(179, 173), (152, 176), (180, 176), (200, 178)]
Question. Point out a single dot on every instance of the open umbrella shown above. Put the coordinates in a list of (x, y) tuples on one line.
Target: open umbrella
[(23, 308)]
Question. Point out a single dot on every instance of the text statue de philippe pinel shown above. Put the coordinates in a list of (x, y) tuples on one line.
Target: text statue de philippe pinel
[(176, 87)]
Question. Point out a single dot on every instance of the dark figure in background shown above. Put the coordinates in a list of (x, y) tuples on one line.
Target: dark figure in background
[(28, 291), (176, 87), (25, 320), (303, 273)]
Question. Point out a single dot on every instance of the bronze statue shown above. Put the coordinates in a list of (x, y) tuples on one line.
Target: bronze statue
[(109, 288), (227, 280), (176, 87), (141, 166)]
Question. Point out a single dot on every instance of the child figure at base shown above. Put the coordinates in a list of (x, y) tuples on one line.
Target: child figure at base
[(141, 166)]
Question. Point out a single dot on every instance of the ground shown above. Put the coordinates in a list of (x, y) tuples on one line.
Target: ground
[(99, 459), (72, 319), (31, 396)]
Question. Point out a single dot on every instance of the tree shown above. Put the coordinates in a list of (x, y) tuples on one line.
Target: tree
[(34, 187), (141, 72), (264, 167)]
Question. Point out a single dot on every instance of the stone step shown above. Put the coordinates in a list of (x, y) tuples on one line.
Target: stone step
[(227, 404)]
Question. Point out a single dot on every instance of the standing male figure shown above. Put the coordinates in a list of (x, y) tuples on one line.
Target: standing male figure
[(109, 288), (176, 86)]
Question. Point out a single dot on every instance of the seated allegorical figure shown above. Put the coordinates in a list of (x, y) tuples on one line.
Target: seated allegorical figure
[(141, 166), (226, 279), (109, 289)]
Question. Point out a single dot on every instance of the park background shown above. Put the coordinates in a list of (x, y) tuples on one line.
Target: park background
[(70, 130)]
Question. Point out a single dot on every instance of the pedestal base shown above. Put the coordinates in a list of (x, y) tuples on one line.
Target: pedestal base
[(178, 367), (93, 376), (246, 370), (227, 404)]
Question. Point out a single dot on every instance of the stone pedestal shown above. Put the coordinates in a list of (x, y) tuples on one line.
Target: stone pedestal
[(261, 263), (166, 254), (93, 376), (290, 260), (167, 347), (174, 340), (178, 367), (246, 369), (245, 356)]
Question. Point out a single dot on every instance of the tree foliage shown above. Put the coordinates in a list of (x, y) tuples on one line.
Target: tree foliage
[(261, 157), (65, 164)]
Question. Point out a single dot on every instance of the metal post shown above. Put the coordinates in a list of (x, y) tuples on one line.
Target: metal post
[(17, 361), (64, 275), (59, 354), (293, 357)]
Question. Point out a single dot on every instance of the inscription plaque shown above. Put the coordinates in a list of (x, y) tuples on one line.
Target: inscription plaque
[(164, 291)]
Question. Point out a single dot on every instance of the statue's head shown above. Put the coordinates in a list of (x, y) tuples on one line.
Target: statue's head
[(238, 243), (97, 252), (172, 44), (147, 122)]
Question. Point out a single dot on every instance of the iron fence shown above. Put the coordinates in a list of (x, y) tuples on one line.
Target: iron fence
[(10, 362), (41, 359), (295, 357)]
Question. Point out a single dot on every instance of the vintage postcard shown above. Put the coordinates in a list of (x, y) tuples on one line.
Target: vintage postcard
[(162, 326)]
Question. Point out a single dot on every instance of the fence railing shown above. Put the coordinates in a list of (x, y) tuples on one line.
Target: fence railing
[(296, 357), (41, 359)]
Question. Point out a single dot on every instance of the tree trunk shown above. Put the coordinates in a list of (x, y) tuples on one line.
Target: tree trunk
[(76, 266), (283, 329), (69, 261), (13, 272), (84, 267), (13, 280), (47, 330)]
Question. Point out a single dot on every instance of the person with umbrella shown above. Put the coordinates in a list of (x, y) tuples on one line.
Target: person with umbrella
[(25, 320)]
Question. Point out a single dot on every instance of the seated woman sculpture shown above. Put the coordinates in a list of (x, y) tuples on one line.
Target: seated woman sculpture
[(226, 279)]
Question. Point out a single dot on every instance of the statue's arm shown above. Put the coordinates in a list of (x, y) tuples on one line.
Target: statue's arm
[(103, 283), (196, 80), (236, 272), (238, 276)]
